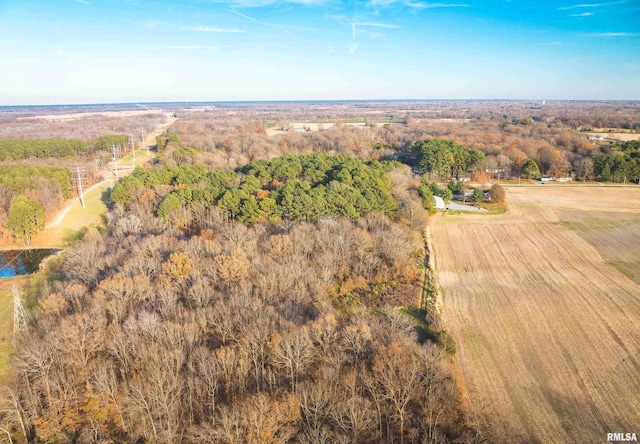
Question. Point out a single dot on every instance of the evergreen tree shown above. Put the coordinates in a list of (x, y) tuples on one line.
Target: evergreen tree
[(478, 195), (530, 170), (25, 218)]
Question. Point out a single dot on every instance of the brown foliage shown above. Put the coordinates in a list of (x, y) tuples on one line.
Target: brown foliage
[(229, 336)]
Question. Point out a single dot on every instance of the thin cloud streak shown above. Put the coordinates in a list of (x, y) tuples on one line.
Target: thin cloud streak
[(265, 3), (378, 25), (588, 5), (614, 34), (582, 14), (210, 29), (251, 19), (258, 22), (193, 47), (419, 5), (84, 2)]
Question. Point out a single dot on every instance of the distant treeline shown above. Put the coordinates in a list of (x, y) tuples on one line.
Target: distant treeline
[(291, 187), (19, 149)]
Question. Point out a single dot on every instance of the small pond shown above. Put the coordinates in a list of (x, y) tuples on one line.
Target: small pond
[(20, 262)]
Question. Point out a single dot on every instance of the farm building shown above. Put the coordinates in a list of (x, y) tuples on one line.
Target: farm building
[(439, 202)]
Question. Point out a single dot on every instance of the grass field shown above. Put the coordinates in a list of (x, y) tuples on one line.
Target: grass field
[(75, 221), (547, 326), (6, 328), (142, 157), (615, 133)]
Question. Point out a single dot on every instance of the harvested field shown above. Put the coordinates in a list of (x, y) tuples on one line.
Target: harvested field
[(314, 127), (625, 137), (615, 235), (547, 330), (74, 116)]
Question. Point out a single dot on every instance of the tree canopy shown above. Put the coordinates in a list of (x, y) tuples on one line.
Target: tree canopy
[(26, 217), (105, 143), (530, 170), (291, 187), (25, 177), (444, 158), (620, 164), (19, 149)]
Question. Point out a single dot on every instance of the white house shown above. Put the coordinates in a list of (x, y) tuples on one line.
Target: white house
[(439, 202)]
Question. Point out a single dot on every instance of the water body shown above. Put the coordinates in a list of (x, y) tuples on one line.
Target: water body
[(21, 262)]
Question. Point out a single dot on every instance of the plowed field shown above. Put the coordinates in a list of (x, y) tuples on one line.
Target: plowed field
[(547, 326)]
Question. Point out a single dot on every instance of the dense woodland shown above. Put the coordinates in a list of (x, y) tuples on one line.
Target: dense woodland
[(289, 188), (620, 163), (20, 149), (221, 332), (28, 194)]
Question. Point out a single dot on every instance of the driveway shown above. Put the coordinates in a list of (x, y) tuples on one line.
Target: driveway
[(460, 207)]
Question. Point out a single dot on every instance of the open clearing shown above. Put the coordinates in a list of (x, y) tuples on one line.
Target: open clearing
[(625, 137), (75, 220), (547, 330), (74, 116), (314, 127)]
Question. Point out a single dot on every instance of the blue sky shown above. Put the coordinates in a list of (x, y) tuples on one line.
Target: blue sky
[(90, 51)]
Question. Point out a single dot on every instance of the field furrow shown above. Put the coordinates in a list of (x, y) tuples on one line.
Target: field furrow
[(547, 330)]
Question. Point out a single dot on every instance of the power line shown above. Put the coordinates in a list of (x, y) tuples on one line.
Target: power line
[(115, 160), (142, 140), (78, 180), (19, 315), (133, 148), (15, 258)]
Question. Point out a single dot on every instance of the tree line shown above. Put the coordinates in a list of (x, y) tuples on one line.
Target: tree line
[(20, 149), (294, 188), (620, 163), (29, 193), (444, 158)]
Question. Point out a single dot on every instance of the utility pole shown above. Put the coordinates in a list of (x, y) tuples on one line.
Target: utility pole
[(142, 134), (19, 315), (76, 175), (133, 148), (115, 160), (81, 192)]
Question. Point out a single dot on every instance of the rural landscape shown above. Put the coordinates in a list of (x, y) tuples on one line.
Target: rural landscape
[(319, 222), (320, 272)]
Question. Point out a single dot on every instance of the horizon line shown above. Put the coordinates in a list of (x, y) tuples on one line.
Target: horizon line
[(203, 102)]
